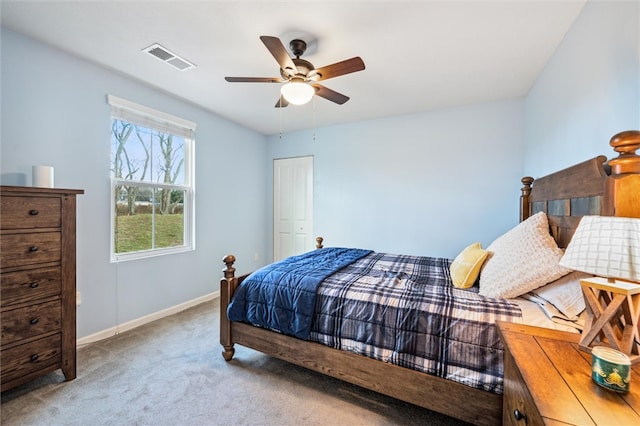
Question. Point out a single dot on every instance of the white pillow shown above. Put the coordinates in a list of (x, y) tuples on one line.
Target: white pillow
[(523, 259), (565, 294)]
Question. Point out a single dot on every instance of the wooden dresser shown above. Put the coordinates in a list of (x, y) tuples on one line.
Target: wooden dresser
[(38, 283), (547, 380)]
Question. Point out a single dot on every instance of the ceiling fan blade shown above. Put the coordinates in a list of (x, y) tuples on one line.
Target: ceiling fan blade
[(329, 94), (340, 68), (254, 80), (282, 102), (279, 52)]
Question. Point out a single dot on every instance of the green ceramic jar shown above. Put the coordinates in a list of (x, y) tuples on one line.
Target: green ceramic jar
[(610, 369)]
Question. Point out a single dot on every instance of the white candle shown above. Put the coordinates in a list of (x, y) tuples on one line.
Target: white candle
[(42, 176)]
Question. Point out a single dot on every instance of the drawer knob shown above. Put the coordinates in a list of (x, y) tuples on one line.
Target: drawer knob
[(34, 321), (33, 248), (34, 357), (34, 284), (519, 415), (33, 212)]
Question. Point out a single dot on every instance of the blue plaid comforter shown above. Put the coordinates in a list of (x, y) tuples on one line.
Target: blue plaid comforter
[(404, 310)]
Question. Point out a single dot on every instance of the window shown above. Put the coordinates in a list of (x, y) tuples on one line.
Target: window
[(152, 200)]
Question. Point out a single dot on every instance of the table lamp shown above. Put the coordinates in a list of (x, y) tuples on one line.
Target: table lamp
[(609, 248)]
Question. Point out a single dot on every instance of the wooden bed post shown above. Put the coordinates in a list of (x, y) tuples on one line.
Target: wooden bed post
[(319, 241), (227, 287), (525, 208), (622, 189)]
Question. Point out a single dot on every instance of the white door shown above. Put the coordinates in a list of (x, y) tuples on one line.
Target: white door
[(292, 207)]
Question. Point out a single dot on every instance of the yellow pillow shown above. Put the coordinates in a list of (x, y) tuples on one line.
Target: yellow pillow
[(466, 266)]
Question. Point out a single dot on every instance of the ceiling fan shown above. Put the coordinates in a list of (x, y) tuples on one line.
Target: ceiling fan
[(301, 76)]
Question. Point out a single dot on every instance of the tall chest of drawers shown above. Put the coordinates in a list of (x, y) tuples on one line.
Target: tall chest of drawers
[(38, 283)]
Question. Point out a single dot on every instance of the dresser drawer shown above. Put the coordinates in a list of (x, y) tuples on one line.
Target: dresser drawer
[(30, 321), (28, 285), (518, 407), (29, 249), (28, 358), (30, 212)]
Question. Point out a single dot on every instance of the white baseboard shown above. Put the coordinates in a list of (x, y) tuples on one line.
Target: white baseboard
[(145, 319)]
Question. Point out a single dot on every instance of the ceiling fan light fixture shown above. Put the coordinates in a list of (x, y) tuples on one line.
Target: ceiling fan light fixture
[(301, 76), (297, 92)]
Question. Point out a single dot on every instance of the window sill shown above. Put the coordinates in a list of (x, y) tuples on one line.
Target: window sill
[(144, 254)]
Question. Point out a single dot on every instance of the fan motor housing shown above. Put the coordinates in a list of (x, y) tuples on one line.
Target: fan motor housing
[(303, 66)]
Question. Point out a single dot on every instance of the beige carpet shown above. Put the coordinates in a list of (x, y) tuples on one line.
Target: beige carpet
[(171, 372)]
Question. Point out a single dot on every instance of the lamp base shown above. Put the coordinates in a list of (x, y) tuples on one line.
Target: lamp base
[(613, 316)]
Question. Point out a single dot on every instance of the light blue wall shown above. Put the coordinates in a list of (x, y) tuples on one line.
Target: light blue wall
[(54, 111), (424, 184), (588, 91)]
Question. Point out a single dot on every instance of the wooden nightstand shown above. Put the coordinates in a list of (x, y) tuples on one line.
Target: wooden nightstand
[(547, 380)]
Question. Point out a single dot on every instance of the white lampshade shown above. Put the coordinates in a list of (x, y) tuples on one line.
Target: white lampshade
[(297, 93), (606, 246)]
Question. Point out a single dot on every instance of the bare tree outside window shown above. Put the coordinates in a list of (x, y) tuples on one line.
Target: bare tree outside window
[(171, 166), (125, 166)]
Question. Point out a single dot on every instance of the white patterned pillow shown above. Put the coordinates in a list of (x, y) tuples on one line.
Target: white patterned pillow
[(521, 260)]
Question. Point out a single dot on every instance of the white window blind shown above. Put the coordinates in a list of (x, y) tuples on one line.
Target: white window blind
[(132, 112)]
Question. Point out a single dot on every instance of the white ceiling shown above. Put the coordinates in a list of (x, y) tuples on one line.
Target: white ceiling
[(419, 55)]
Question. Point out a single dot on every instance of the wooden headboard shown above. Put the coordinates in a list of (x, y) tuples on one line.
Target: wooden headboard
[(593, 187)]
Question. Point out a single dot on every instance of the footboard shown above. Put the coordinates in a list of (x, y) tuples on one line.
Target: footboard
[(228, 285)]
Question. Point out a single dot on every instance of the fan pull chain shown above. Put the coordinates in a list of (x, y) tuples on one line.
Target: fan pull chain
[(280, 101), (314, 118)]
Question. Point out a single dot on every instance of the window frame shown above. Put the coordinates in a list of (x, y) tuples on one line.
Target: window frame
[(122, 109)]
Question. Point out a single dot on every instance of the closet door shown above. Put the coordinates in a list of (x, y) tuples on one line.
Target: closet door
[(292, 207)]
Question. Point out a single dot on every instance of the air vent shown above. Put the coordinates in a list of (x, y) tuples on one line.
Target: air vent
[(167, 56)]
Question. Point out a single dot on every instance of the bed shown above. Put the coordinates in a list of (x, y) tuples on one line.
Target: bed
[(594, 187)]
